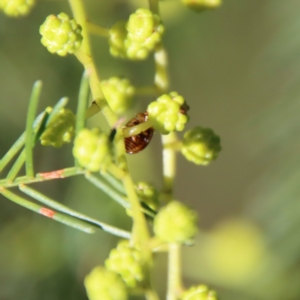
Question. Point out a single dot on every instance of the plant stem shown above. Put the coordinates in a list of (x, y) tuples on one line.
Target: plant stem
[(57, 107), (113, 181), (29, 142), (134, 130), (85, 57), (107, 189), (97, 30), (169, 165), (146, 90), (140, 233), (16, 167), (161, 78), (58, 174), (174, 272), (62, 208), (82, 102), (15, 148), (77, 224)]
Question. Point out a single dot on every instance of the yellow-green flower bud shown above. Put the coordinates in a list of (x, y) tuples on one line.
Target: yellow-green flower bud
[(91, 149), (200, 145), (16, 8), (102, 284), (166, 114), (60, 34), (200, 292), (175, 223), (144, 33), (118, 93), (60, 129), (199, 5), (148, 194), (128, 263), (116, 39)]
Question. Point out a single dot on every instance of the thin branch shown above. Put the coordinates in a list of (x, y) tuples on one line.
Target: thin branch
[(69, 221), (62, 208), (36, 91)]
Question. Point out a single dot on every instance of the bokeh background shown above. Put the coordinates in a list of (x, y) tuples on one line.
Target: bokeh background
[(239, 69)]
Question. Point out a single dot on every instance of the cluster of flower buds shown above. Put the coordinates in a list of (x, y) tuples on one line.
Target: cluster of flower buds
[(92, 149), (61, 34), (200, 292), (137, 37), (16, 8), (60, 129), (119, 94)]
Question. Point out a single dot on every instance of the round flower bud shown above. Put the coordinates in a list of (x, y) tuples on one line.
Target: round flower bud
[(165, 113), (102, 284), (200, 292), (128, 263), (175, 223), (199, 5), (118, 93), (148, 194), (60, 129), (16, 8), (144, 33), (60, 34), (200, 145), (91, 149), (116, 39)]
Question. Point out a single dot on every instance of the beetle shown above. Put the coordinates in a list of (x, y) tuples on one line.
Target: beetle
[(139, 142)]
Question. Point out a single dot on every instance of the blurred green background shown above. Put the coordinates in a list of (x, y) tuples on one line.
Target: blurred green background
[(239, 69)]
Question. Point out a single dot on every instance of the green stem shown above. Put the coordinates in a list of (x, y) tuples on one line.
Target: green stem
[(57, 107), (140, 233), (15, 148), (62, 208), (169, 165), (77, 224), (161, 78), (140, 230), (174, 272), (17, 167), (29, 142), (82, 102), (107, 189), (97, 30), (85, 57), (134, 130), (113, 181), (146, 91), (58, 174)]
